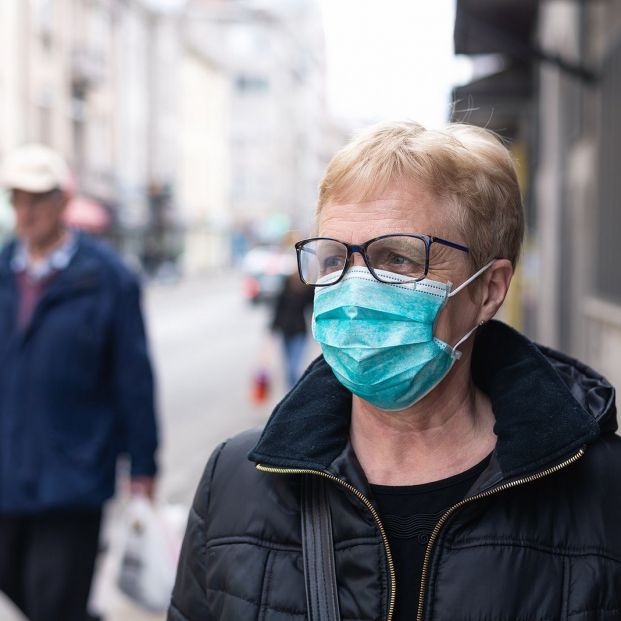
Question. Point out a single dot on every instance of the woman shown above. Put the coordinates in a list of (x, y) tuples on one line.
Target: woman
[(289, 321), (415, 472)]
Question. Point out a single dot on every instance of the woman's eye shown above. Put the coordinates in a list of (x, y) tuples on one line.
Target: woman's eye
[(332, 262), (399, 259)]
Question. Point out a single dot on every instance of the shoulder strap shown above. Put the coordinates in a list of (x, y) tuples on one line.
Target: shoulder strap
[(318, 551)]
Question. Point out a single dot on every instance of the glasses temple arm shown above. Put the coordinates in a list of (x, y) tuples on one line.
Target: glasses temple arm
[(445, 242)]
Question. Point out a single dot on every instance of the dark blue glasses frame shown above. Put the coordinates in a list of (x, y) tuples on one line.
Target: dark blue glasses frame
[(362, 250)]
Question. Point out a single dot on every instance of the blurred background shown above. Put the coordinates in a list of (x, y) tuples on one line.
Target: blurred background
[(198, 130)]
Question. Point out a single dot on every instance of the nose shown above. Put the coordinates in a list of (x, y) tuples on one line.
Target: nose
[(356, 258)]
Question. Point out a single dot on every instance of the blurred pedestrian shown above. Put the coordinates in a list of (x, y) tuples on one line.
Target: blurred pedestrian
[(416, 471), (76, 391), (290, 322)]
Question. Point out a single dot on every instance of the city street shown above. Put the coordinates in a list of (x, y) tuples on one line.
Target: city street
[(207, 342)]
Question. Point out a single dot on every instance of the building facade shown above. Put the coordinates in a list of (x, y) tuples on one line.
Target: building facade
[(191, 126), (561, 111), (80, 83), (273, 53)]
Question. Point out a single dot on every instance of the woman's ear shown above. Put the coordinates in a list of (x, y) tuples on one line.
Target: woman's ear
[(495, 287)]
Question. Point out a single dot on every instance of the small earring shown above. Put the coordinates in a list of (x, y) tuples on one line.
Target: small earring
[(481, 322)]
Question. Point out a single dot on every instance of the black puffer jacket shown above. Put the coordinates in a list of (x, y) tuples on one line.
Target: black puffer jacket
[(538, 537)]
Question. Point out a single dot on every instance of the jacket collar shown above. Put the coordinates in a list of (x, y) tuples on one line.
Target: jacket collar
[(79, 267), (55, 261), (546, 404), (82, 273)]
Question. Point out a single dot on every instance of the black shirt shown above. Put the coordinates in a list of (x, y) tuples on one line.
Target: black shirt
[(409, 514)]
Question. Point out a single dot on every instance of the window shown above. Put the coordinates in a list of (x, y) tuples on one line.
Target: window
[(251, 84), (43, 16)]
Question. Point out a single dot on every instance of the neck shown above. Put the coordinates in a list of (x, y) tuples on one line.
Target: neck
[(444, 434), (40, 250)]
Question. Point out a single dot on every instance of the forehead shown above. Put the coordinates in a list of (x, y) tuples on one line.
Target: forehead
[(410, 208)]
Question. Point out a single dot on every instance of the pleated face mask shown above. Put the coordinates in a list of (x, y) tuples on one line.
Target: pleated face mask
[(378, 337)]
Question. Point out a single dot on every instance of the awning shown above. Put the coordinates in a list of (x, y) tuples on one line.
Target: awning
[(493, 27), (87, 214), (497, 101), (502, 100), (508, 27)]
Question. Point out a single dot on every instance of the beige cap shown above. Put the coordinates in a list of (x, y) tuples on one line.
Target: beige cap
[(34, 168)]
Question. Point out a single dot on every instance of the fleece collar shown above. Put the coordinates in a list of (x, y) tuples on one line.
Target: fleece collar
[(546, 405)]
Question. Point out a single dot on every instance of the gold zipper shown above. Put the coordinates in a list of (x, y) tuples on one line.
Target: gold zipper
[(451, 510), (369, 506)]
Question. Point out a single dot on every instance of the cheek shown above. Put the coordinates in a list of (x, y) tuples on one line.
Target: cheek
[(22, 219), (456, 319), (34, 227)]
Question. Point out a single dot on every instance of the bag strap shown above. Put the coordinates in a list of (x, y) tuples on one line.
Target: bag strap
[(318, 551)]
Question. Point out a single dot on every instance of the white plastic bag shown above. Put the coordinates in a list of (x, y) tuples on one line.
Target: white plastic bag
[(150, 552)]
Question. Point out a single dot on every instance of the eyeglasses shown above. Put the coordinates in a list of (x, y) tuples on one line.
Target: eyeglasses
[(323, 261)]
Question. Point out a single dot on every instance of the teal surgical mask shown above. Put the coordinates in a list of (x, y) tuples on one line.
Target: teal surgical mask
[(378, 338)]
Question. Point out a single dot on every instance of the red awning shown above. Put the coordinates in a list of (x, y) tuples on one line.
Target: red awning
[(87, 214)]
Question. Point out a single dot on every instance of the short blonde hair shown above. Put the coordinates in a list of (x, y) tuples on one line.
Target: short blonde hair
[(466, 164)]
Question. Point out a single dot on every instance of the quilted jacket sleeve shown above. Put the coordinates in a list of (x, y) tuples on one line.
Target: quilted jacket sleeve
[(189, 602)]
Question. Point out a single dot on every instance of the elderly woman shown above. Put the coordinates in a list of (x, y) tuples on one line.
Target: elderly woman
[(415, 471)]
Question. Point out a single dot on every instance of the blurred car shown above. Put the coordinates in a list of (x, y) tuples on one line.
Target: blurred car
[(265, 269)]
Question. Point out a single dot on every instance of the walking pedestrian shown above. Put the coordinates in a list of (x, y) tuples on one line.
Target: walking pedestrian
[(290, 322), (76, 391), (434, 463)]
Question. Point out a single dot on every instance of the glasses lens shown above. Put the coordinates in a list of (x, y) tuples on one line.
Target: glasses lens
[(322, 261), (398, 254)]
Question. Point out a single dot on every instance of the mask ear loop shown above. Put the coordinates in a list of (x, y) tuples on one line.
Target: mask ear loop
[(469, 280), (457, 354)]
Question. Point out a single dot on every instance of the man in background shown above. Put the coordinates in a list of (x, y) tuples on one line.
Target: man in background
[(76, 391)]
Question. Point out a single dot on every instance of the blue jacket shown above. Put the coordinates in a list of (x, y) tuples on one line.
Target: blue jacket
[(76, 386)]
